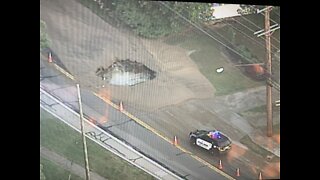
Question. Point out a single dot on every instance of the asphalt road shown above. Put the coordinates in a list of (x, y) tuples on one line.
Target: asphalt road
[(67, 115), (121, 126), (179, 121)]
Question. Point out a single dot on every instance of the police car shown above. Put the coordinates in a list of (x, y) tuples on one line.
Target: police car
[(212, 140)]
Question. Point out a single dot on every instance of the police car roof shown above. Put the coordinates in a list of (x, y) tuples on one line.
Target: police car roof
[(220, 137)]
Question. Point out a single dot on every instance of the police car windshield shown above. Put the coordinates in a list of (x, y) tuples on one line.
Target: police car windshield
[(224, 143)]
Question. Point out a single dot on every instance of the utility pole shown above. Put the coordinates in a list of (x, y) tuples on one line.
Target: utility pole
[(268, 69), (268, 30), (86, 161)]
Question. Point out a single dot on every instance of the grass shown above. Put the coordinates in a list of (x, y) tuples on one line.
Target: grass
[(175, 39), (54, 172), (208, 58), (275, 128), (258, 109), (62, 139), (257, 149), (254, 147)]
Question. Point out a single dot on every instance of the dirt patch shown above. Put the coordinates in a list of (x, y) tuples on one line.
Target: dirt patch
[(84, 42)]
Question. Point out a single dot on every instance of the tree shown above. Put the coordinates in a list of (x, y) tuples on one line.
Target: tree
[(44, 40), (248, 57), (248, 9), (42, 177), (151, 19)]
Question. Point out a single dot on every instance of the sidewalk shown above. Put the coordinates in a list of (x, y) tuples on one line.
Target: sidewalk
[(271, 144), (242, 101), (228, 107)]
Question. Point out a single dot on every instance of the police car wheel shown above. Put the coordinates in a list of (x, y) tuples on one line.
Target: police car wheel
[(193, 140)]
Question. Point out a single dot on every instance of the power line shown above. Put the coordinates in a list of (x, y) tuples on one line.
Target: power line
[(263, 14), (256, 41), (276, 14), (245, 34), (274, 11), (245, 25), (248, 35), (254, 31), (228, 41), (216, 32), (273, 21), (199, 28), (272, 78), (257, 27), (260, 43), (270, 19)]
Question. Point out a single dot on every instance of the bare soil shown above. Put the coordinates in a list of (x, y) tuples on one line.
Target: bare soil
[(178, 100)]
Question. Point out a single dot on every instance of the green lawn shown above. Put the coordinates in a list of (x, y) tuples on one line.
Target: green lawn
[(275, 129), (257, 149), (62, 139), (208, 58), (54, 172), (258, 109)]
